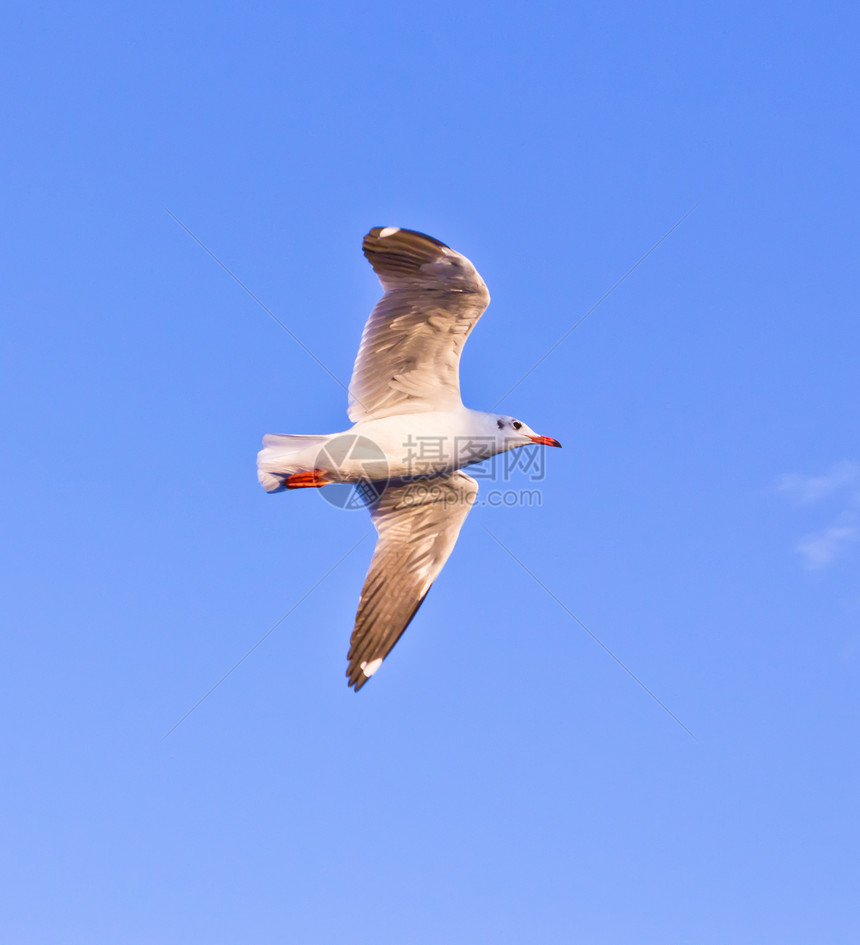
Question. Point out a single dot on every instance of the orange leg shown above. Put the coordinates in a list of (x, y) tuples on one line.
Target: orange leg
[(306, 480)]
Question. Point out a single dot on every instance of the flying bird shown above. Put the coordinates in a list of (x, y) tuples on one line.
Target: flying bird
[(411, 433)]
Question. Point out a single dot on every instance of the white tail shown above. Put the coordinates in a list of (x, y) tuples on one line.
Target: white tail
[(285, 454)]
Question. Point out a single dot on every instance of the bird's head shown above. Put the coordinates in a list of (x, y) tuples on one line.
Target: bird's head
[(514, 433)]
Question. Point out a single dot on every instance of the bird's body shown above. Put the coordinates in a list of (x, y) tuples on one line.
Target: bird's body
[(415, 444), (411, 434)]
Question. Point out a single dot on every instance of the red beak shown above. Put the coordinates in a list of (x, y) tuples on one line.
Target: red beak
[(545, 440)]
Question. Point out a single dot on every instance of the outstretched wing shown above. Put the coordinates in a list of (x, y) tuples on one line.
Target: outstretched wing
[(418, 523), (409, 358)]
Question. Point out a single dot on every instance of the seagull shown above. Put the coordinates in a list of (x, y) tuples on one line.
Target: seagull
[(411, 433)]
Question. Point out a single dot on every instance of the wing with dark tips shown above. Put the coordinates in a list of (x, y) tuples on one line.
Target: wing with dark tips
[(418, 523), (409, 358)]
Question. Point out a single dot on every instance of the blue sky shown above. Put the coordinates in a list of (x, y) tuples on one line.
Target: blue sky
[(502, 779)]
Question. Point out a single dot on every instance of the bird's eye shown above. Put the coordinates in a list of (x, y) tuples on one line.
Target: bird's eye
[(499, 424), (516, 424)]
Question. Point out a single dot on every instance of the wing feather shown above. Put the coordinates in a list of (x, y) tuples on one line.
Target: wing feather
[(418, 523), (409, 357)]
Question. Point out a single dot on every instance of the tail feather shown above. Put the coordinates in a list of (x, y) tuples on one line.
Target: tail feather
[(284, 455)]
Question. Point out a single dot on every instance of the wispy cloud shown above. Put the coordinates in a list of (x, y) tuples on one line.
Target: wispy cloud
[(811, 489), (824, 547), (842, 481)]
